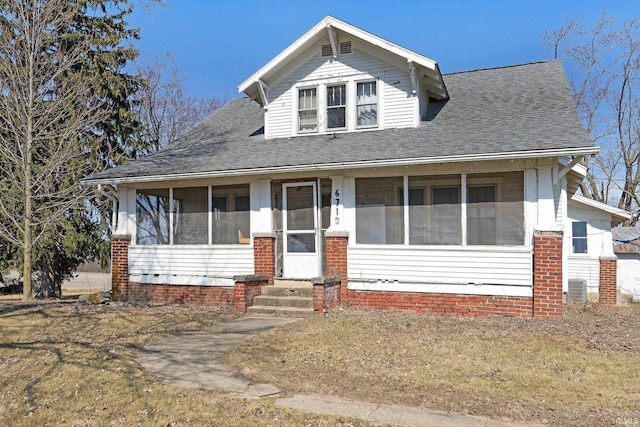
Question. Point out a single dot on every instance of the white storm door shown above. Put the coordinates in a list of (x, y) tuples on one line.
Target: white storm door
[(299, 226)]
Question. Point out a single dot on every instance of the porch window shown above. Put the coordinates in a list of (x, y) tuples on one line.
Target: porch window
[(152, 217), (190, 216), (367, 104), (230, 214), (579, 237), (434, 211), (379, 210), (307, 110), (336, 107)]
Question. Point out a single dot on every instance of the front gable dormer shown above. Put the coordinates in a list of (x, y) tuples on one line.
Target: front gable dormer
[(338, 78)]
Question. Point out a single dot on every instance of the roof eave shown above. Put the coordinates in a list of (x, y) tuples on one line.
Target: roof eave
[(619, 214), (346, 165)]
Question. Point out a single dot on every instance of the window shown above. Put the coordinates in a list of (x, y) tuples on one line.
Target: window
[(493, 206), (367, 104), (307, 110), (152, 217), (379, 210), (579, 237), (434, 210), (336, 107), (230, 214), (190, 216)]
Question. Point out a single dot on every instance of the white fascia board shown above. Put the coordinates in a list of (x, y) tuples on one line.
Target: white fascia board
[(620, 213), (346, 165), (320, 29)]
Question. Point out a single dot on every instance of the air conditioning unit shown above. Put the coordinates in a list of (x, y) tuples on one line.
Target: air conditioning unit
[(577, 290)]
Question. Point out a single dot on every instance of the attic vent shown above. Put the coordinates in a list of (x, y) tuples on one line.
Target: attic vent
[(345, 47)]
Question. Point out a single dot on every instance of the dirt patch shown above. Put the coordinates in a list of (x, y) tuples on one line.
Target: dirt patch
[(581, 370)]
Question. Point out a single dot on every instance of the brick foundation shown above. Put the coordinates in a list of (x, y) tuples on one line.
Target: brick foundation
[(120, 267), (608, 289), (326, 293), (547, 274), (263, 256), (336, 260), (442, 304), (181, 294), (246, 288)]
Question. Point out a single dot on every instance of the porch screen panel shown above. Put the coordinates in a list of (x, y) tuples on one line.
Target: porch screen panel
[(435, 211), (191, 214), (152, 217), (230, 214), (495, 208), (379, 210)]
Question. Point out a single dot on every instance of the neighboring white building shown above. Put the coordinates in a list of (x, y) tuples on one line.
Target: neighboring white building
[(355, 157), (626, 246)]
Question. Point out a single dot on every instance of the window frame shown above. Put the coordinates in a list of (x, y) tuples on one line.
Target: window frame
[(343, 106), (301, 110), (357, 105), (584, 238)]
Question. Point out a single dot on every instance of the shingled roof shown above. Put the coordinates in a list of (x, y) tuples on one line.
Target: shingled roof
[(509, 112)]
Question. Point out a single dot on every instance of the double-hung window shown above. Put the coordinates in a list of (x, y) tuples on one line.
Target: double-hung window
[(336, 107), (579, 237), (367, 104), (308, 110)]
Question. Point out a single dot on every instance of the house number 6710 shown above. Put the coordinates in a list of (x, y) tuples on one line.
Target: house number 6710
[(337, 199)]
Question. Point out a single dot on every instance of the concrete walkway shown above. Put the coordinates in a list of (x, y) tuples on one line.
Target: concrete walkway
[(195, 360)]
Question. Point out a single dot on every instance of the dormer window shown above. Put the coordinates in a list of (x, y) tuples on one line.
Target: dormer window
[(367, 104), (336, 107), (308, 110)]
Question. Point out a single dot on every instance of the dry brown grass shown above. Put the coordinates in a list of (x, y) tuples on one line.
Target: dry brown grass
[(74, 365), (581, 370)]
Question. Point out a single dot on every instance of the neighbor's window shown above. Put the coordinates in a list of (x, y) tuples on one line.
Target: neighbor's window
[(336, 106), (434, 210), (191, 216), (579, 237), (307, 110), (367, 104), (230, 212), (152, 217), (379, 210)]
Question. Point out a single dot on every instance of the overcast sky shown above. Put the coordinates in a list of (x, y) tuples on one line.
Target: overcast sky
[(218, 44)]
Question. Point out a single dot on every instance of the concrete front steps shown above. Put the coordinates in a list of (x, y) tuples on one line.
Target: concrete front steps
[(292, 298)]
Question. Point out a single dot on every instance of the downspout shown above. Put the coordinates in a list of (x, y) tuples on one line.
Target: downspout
[(108, 193)]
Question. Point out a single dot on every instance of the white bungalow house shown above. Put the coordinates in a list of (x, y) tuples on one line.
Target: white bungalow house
[(356, 165)]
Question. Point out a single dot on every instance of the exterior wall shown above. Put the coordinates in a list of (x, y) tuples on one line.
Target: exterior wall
[(189, 265), (628, 275), (180, 294), (397, 107), (587, 266)]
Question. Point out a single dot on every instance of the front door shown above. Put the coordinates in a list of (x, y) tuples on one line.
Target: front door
[(300, 224)]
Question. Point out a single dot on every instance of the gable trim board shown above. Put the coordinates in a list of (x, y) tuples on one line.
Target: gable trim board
[(492, 152)]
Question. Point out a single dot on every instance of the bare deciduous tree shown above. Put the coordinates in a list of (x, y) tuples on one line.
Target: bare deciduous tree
[(604, 74), (48, 105)]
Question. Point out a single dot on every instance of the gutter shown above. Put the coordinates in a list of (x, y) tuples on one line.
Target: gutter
[(348, 165)]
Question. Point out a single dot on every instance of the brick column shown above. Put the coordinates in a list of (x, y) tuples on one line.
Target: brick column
[(336, 243), (263, 255), (120, 266), (547, 274), (245, 289), (608, 288)]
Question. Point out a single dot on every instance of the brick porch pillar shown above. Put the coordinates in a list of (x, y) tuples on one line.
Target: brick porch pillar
[(264, 255), (608, 288), (336, 243), (547, 274), (120, 266)]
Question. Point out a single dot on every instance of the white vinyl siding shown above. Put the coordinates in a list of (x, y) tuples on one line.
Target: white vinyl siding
[(585, 268), (441, 265), (395, 104), (629, 274), (189, 265)]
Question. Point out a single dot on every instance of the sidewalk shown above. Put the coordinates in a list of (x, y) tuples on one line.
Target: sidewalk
[(195, 360)]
